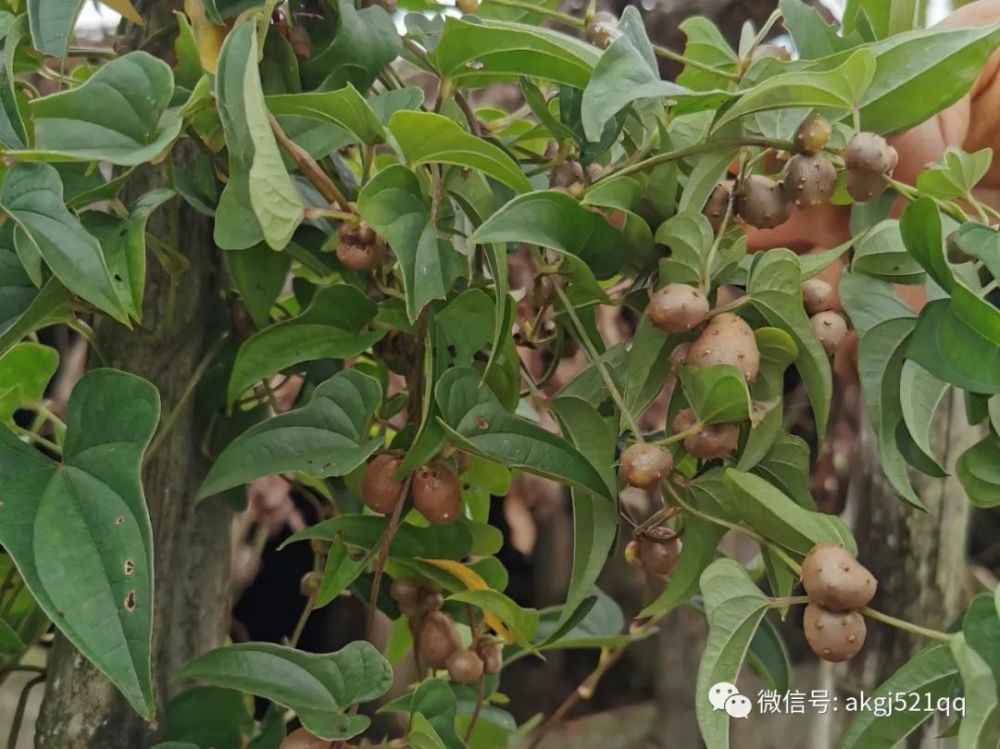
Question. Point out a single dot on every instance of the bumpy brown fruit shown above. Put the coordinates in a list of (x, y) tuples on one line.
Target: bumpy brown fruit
[(437, 640), (835, 580), (379, 488), (708, 442), (677, 308), (467, 6), (465, 666), (302, 739), (431, 601), (817, 296), (761, 202), (717, 205), (491, 652), (834, 635), (864, 186), (868, 152), (812, 135), (727, 339), (644, 465), (358, 246), (679, 356), (830, 328), (566, 175), (809, 180), (659, 555), (406, 591), (684, 420), (602, 29), (437, 493), (713, 441)]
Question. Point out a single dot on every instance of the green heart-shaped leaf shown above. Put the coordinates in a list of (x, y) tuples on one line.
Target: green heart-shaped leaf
[(79, 531), (320, 688), (47, 230), (474, 419), (331, 327), (79, 125), (326, 437), (426, 138)]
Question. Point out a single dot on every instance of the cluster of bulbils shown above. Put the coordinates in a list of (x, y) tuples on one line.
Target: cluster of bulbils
[(437, 494), (837, 586), (809, 178), (436, 638), (435, 489)]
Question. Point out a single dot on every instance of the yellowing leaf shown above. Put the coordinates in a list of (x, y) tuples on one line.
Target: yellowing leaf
[(208, 35), (472, 581), (125, 9)]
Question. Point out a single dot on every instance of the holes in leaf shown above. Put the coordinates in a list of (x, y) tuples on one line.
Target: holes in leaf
[(130, 603), (128, 567), (120, 520), (482, 423)]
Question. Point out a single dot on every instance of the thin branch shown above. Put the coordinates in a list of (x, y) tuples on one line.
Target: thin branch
[(669, 54), (480, 696), (474, 125), (681, 153), (307, 164), (906, 626), (383, 555)]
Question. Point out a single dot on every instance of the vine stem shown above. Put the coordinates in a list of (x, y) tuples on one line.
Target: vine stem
[(681, 153), (383, 555), (763, 542), (189, 389), (37, 439), (586, 688), (871, 613), (328, 213), (669, 54), (480, 696), (731, 306), (781, 601), (22, 705), (312, 170), (681, 435), (596, 359), (911, 193), (916, 629), (583, 692), (762, 34), (706, 273)]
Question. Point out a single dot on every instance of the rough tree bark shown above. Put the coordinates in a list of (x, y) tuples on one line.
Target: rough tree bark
[(81, 709), (919, 559)]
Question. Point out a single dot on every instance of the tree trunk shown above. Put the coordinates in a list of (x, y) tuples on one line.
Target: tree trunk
[(81, 709), (918, 558)]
